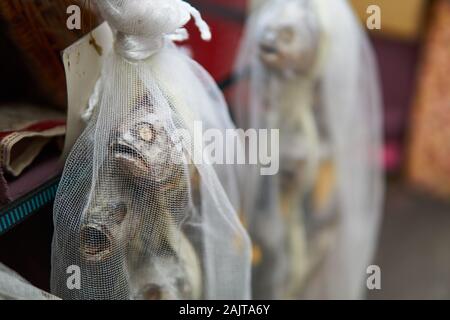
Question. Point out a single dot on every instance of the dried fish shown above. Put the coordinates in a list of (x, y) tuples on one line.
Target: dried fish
[(130, 209), (144, 149), (312, 74), (291, 44), (162, 263)]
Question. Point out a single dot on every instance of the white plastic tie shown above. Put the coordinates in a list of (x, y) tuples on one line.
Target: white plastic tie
[(203, 27), (158, 20)]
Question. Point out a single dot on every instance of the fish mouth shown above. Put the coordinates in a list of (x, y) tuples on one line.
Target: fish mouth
[(269, 55), (129, 154), (96, 242), (268, 49)]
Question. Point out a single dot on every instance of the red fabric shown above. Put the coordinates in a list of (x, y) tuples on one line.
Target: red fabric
[(9, 192), (36, 127), (235, 4), (226, 19)]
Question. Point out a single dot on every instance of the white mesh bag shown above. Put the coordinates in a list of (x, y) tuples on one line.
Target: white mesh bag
[(307, 68), (14, 287), (141, 210)]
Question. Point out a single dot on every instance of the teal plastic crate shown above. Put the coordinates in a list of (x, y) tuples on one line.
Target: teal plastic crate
[(21, 209)]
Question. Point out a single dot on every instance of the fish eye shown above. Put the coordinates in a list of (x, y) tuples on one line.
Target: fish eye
[(118, 212), (146, 132), (286, 34)]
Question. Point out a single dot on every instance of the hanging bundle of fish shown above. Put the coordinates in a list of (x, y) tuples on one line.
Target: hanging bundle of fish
[(134, 211), (163, 261), (292, 82), (292, 48)]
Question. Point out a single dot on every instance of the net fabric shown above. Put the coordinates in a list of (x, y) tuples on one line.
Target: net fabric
[(14, 287), (307, 68), (136, 210)]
